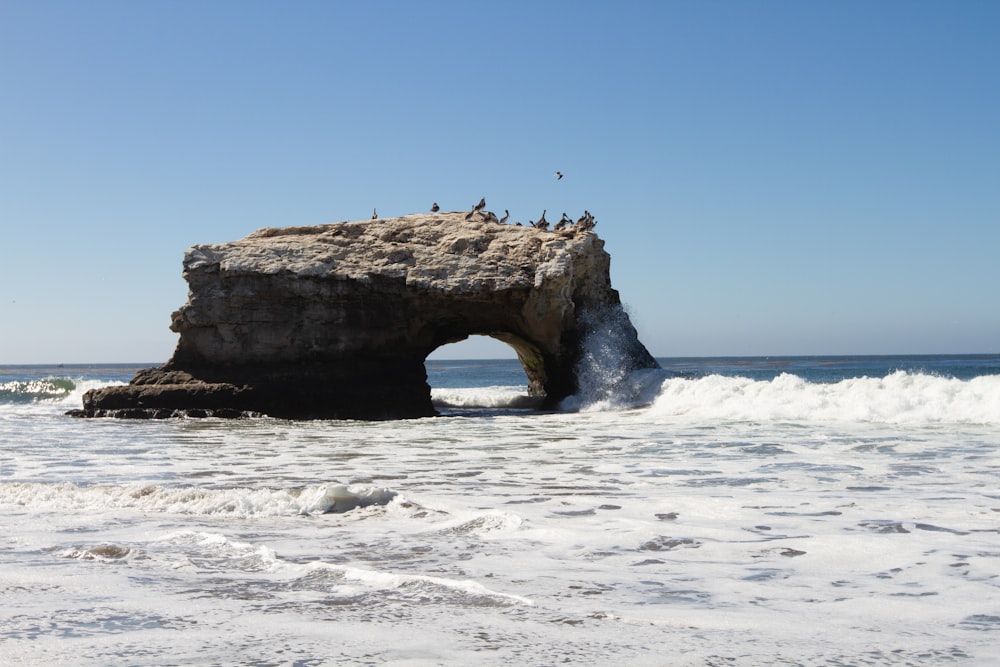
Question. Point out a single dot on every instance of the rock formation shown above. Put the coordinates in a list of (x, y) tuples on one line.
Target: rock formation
[(335, 321)]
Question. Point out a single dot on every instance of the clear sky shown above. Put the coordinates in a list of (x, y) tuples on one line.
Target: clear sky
[(769, 177)]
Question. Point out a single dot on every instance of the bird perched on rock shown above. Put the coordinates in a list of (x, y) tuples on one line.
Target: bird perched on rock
[(435, 208), (563, 222), (506, 214), (542, 222), (481, 205), (586, 223), (374, 214), (490, 216), (558, 175)]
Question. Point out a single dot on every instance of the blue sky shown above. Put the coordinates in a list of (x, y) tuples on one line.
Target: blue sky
[(769, 177)]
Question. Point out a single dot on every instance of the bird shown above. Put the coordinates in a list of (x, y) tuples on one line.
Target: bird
[(559, 175), (490, 216), (542, 222), (435, 208), (481, 205), (586, 222), (374, 214), (506, 214)]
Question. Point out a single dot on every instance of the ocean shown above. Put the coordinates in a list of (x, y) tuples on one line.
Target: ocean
[(724, 511)]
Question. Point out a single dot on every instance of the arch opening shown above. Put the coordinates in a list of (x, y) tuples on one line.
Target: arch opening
[(496, 370)]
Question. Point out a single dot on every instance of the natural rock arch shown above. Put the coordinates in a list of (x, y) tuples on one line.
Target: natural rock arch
[(335, 321)]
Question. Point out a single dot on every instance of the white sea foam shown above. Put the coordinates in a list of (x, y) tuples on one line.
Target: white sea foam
[(249, 556), (722, 523), (899, 398), (633, 390), (395, 580), (499, 397), (237, 502)]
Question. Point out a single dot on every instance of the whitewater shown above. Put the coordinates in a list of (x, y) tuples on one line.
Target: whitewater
[(796, 511)]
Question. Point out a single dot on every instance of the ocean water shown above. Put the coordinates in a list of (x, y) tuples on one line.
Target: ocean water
[(789, 511)]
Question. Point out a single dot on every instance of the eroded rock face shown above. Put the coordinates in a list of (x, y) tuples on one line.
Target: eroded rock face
[(335, 321)]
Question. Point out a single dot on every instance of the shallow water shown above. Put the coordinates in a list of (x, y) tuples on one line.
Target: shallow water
[(726, 520)]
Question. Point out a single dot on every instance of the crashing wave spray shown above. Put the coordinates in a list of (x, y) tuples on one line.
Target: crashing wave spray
[(614, 370)]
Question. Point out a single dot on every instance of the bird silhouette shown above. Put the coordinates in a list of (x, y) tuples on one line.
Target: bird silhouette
[(506, 214), (435, 208), (559, 175), (481, 205), (374, 214), (542, 222)]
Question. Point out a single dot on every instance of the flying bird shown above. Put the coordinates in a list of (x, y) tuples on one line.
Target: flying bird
[(559, 175), (435, 208)]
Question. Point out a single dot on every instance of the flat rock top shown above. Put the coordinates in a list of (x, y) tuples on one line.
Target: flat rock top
[(432, 251)]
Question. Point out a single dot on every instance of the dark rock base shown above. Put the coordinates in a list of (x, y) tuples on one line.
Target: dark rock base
[(356, 390)]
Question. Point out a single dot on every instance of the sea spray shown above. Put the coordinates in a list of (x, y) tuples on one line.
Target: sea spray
[(614, 370)]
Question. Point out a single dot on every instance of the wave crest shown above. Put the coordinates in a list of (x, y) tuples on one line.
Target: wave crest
[(495, 397), (898, 398), (240, 502), (49, 389)]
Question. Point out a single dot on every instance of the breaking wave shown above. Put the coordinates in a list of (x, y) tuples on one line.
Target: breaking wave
[(897, 398), (50, 389), (237, 502), (48, 392), (496, 397)]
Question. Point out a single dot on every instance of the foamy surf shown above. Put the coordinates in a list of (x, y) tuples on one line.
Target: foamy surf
[(721, 522), (344, 580), (899, 398), (236, 502), (494, 397)]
